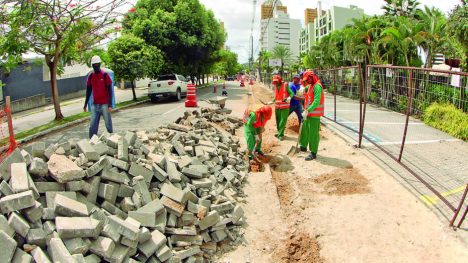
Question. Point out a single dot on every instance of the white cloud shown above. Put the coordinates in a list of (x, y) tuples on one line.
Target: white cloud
[(237, 16)]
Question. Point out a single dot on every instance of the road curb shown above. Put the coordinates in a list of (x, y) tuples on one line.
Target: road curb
[(75, 122)]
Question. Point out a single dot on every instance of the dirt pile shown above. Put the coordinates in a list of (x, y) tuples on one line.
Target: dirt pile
[(343, 182), (281, 163), (293, 124), (300, 248)]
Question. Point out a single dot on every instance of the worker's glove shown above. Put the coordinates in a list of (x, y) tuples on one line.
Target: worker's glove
[(304, 114)]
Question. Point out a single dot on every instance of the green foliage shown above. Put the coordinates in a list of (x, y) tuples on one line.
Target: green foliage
[(373, 97), (188, 35), (227, 64), (131, 58), (447, 118), (457, 26), (390, 39), (400, 7)]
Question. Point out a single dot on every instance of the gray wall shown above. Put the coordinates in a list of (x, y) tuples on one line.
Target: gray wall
[(26, 81)]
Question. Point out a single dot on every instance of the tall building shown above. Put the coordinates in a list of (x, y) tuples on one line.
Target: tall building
[(309, 15), (280, 30), (335, 18), (267, 9), (325, 22)]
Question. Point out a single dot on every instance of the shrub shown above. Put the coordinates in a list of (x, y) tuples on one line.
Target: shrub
[(447, 118)]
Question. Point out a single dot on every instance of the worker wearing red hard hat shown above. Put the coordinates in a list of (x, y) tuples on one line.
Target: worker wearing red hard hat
[(253, 128), (282, 98), (314, 108)]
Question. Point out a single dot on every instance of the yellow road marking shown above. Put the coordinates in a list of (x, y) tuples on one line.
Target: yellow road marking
[(432, 200)]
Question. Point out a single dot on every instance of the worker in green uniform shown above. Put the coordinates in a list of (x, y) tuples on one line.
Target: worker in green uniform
[(283, 95), (314, 108), (253, 128)]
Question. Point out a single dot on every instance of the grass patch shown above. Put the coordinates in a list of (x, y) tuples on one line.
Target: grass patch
[(447, 118)]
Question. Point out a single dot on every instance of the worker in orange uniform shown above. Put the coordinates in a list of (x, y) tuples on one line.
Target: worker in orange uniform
[(283, 95), (314, 108), (253, 128)]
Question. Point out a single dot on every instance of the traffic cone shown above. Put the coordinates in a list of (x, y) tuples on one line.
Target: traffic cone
[(191, 99)]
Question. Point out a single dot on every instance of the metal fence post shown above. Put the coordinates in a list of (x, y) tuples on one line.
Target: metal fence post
[(12, 140), (408, 112), (360, 104), (455, 215), (364, 96), (334, 94)]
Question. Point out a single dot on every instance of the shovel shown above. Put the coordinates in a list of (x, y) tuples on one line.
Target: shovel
[(295, 149)]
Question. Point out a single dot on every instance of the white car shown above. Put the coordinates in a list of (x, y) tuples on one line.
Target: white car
[(168, 85)]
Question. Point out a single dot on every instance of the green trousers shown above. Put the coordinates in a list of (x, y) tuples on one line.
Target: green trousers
[(310, 135), (281, 120), (250, 132)]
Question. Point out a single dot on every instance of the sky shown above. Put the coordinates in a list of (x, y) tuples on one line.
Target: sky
[(237, 17)]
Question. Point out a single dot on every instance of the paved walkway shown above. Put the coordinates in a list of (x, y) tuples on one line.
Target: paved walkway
[(26, 120), (440, 159)]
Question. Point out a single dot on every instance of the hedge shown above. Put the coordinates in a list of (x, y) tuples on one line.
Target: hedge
[(447, 118)]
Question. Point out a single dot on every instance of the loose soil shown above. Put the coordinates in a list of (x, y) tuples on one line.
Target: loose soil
[(341, 207), (343, 182), (300, 248)]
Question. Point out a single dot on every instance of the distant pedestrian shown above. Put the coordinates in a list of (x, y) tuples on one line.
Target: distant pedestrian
[(99, 84), (296, 105)]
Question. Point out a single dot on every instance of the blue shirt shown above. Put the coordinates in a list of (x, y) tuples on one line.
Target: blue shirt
[(294, 89)]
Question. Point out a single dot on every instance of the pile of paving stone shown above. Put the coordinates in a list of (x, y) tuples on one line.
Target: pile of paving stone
[(168, 195), (228, 122)]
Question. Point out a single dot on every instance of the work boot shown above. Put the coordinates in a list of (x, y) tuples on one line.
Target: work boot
[(276, 135), (311, 156), (303, 149), (281, 138)]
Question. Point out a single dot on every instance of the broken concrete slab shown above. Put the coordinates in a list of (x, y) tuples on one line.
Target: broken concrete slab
[(63, 169)]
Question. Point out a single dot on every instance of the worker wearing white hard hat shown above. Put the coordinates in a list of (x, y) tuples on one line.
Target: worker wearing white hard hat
[(99, 85)]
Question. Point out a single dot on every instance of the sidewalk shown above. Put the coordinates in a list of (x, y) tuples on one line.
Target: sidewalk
[(437, 157)]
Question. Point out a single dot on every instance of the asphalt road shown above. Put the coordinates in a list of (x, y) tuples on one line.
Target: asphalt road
[(146, 116)]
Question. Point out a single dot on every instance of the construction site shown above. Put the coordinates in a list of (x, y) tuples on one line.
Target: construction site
[(184, 191)]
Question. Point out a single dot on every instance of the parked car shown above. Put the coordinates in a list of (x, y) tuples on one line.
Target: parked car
[(230, 78), (168, 85)]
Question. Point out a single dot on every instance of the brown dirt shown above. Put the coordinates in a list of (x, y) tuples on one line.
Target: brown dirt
[(284, 189), (300, 248), (293, 124), (343, 182), (281, 163)]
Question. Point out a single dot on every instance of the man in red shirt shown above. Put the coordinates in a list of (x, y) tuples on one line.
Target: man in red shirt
[(99, 84)]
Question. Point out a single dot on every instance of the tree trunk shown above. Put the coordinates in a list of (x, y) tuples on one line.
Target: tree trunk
[(133, 91), (54, 89)]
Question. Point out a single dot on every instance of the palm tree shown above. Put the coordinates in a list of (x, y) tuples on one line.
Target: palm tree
[(263, 57), (432, 36), (402, 35), (283, 53), (400, 7)]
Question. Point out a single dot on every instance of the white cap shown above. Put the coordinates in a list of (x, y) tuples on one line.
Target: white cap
[(95, 60)]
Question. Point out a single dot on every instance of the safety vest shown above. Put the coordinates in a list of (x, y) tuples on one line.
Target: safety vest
[(258, 120), (280, 95), (309, 98)]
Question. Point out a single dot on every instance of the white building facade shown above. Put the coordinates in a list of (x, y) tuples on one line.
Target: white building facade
[(281, 30)]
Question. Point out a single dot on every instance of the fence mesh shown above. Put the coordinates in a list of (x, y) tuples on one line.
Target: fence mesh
[(384, 105)]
